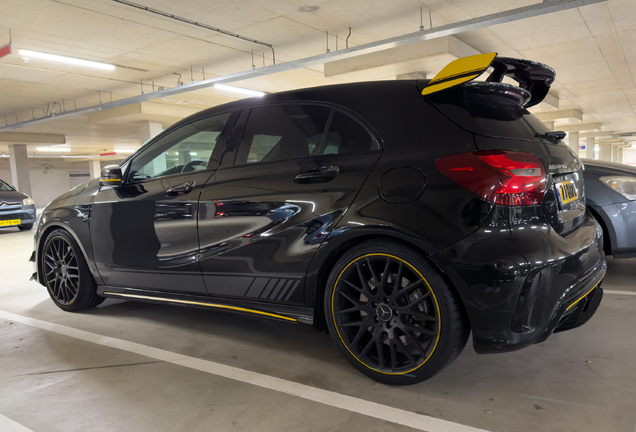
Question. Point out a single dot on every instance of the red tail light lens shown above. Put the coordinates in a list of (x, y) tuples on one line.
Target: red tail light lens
[(504, 177)]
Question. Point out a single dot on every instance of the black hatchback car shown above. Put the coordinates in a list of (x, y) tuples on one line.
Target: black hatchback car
[(397, 215)]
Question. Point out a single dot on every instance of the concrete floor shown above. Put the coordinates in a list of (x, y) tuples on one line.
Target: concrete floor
[(581, 380)]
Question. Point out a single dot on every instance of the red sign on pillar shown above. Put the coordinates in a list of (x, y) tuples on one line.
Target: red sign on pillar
[(5, 50)]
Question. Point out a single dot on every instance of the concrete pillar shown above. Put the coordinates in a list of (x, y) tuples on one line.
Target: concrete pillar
[(19, 164), (614, 154), (619, 154), (94, 168), (591, 142), (147, 130), (605, 152), (573, 141)]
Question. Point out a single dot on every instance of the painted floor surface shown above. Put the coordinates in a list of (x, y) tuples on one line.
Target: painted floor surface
[(581, 380)]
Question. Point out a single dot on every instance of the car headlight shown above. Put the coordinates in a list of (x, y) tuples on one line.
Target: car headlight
[(27, 201), (624, 185)]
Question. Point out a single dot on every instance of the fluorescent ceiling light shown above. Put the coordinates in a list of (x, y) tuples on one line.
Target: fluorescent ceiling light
[(597, 148), (64, 59), (239, 90), (53, 149)]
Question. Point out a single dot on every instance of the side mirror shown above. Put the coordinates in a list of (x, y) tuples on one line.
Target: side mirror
[(111, 176)]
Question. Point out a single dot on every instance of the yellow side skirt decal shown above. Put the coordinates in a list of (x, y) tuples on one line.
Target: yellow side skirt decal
[(213, 305)]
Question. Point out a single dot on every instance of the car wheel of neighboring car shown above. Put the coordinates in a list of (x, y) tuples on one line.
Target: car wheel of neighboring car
[(66, 274), (392, 314), (25, 227)]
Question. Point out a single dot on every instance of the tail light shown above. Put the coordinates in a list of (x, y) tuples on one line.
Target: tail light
[(504, 177)]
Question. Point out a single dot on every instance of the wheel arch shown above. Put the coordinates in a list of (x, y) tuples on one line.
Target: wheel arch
[(609, 237), (44, 233), (330, 252)]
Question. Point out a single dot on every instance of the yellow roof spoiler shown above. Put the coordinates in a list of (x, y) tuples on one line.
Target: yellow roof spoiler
[(459, 71)]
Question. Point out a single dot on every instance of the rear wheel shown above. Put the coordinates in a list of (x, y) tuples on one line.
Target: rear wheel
[(392, 314), (66, 274)]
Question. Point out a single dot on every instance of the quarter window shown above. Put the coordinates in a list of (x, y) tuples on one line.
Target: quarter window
[(184, 150)]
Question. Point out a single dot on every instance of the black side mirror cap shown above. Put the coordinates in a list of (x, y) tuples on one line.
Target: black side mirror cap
[(111, 176)]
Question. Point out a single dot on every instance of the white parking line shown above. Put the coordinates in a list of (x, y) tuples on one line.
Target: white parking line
[(326, 397), (8, 425), (619, 292)]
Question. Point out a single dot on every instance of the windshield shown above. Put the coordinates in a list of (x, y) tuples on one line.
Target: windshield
[(4, 187), (485, 112)]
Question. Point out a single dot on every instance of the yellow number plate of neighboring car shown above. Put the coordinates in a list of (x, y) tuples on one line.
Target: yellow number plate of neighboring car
[(10, 222), (567, 192)]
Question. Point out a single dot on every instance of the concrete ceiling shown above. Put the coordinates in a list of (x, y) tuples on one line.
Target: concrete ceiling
[(592, 48)]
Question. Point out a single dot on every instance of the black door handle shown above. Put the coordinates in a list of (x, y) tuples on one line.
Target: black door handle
[(181, 189), (317, 175)]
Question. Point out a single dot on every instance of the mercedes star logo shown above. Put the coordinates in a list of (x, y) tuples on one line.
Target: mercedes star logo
[(384, 312)]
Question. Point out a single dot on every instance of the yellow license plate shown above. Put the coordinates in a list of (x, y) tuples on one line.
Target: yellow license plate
[(567, 192), (10, 222)]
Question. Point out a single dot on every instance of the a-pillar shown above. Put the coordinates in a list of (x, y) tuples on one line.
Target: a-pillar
[(147, 130), (19, 164), (95, 168), (573, 141), (591, 143)]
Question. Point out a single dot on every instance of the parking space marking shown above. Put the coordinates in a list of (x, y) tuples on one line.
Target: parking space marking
[(8, 425), (619, 292), (326, 397)]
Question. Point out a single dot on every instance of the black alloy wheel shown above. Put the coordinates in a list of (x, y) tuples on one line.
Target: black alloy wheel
[(61, 272), (66, 274), (392, 315)]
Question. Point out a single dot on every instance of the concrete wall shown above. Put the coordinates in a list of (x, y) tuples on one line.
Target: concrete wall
[(49, 177)]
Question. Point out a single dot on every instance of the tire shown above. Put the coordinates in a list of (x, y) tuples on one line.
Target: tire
[(66, 275), (25, 227), (396, 334)]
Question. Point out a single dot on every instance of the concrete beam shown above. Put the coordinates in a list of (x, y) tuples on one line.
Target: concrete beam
[(600, 134), (31, 138), (412, 76), (562, 114), (432, 54), (142, 111), (551, 99), (579, 127)]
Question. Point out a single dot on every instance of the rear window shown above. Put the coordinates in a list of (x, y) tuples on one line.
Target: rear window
[(488, 113)]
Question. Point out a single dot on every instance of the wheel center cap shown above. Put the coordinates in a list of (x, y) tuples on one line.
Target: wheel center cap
[(384, 312), (63, 269)]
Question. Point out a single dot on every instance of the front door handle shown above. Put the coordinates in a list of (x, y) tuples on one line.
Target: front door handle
[(317, 175), (181, 189)]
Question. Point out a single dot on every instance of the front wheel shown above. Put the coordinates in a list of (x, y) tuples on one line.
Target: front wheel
[(392, 314), (66, 274)]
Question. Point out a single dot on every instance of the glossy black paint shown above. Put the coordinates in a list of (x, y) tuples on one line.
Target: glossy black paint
[(259, 234), (615, 213)]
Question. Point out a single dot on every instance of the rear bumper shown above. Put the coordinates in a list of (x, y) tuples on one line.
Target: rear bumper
[(520, 281), (25, 214)]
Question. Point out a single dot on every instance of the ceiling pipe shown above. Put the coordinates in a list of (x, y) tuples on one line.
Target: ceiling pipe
[(433, 33)]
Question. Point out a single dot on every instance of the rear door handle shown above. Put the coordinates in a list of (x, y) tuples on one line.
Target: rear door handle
[(181, 189), (317, 175)]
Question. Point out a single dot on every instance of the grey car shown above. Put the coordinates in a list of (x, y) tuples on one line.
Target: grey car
[(611, 198), (16, 208)]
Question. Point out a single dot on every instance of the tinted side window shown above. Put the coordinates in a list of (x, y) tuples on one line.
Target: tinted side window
[(184, 150), (282, 132), (346, 135)]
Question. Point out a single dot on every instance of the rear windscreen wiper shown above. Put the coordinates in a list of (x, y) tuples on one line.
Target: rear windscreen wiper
[(552, 136)]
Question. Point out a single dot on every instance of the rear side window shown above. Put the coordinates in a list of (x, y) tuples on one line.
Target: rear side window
[(287, 132), (5, 187), (283, 132), (346, 135)]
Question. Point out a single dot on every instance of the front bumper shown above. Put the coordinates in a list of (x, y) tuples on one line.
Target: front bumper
[(520, 281), (621, 218), (25, 214)]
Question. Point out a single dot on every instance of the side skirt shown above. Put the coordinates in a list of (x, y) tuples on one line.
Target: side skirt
[(265, 310)]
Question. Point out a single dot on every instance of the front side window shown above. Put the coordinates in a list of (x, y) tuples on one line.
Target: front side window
[(282, 132), (181, 151), (4, 187)]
